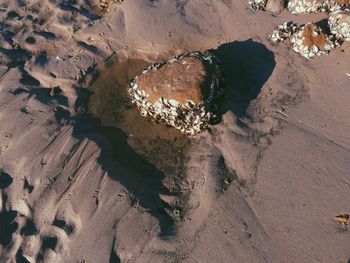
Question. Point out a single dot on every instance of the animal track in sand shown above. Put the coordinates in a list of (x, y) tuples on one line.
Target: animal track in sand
[(40, 28), (23, 238)]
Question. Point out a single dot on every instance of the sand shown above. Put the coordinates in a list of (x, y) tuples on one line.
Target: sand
[(84, 178)]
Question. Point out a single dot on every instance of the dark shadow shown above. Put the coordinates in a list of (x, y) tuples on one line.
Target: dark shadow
[(20, 258), (71, 8), (138, 174), (26, 78), (61, 114), (246, 66), (8, 227), (5, 180), (88, 47), (27, 186), (7, 35), (30, 40), (13, 15), (49, 243), (41, 59), (45, 34), (43, 95), (29, 229), (113, 258), (16, 55), (141, 178), (63, 225), (323, 24)]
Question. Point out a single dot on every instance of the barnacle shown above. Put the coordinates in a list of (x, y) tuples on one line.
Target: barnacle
[(180, 92)]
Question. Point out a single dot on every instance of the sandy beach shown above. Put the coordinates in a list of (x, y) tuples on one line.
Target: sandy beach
[(85, 178)]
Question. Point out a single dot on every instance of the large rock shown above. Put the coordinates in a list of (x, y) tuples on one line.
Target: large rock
[(275, 6), (310, 41), (179, 79), (180, 92)]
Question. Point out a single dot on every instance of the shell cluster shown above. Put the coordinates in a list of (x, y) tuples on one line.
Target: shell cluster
[(257, 4), (309, 40), (305, 6), (283, 32), (190, 117), (339, 24), (314, 6)]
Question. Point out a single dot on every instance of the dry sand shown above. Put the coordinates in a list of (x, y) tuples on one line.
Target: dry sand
[(84, 178)]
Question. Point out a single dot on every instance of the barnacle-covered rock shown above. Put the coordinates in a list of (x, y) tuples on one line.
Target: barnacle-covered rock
[(315, 6), (275, 6), (310, 41), (339, 24), (180, 92)]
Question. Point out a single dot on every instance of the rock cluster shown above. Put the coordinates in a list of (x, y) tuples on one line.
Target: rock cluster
[(315, 6), (339, 24), (181, 92), (309, 40), (283, 32), (299, 6), (273, 6)]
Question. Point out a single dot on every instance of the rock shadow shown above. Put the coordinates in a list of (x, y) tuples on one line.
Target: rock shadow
[(43, 95), (144, 156), (5, 180), (139, 154), (8, 226), (141, 178), (246, 66), (70, 7)]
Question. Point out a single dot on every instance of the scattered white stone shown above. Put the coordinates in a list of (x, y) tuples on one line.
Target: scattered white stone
[(313, 6), (257, 4), (339, 24), (283, 32)]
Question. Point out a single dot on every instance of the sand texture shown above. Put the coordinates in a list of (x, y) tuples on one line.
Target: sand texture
[(84, 178)]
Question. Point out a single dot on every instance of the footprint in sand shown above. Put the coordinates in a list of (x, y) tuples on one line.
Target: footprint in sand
[(25, 239)]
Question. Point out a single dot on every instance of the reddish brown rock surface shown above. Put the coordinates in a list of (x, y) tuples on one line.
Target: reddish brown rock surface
[(310, 39), (181, 80)]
